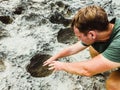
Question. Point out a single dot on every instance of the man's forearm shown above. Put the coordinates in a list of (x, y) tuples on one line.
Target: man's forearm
[(76, 68), (70, 50)]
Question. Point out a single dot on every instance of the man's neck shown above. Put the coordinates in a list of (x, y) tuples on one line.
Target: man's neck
[(104, 36)]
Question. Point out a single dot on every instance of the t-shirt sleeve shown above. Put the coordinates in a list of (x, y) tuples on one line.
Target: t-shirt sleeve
[(113, 51)]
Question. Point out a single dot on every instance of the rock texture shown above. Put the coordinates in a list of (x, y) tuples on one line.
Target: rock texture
[(31, 27)]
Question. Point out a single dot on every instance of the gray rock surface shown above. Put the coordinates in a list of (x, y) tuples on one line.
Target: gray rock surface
[(29, 31)]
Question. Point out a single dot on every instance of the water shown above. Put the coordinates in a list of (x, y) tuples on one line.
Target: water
[(31, 33)]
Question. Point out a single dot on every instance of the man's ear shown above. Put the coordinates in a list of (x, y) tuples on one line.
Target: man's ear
[(92, 34)]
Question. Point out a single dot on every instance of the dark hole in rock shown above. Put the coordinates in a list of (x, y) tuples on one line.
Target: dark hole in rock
[(6, 19), (35, 67), (59, 19), (60, 3), (52, 5), (66, 36), (18, 10), (32, 17), (69, 12)]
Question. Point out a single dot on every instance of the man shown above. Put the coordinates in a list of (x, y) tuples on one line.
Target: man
[(92, 27)]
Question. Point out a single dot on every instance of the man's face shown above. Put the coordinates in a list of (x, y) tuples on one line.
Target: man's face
[(87, 39)]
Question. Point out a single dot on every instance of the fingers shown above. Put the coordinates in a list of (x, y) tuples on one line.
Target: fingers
[(55, 66), (45, 63), (51, 66)]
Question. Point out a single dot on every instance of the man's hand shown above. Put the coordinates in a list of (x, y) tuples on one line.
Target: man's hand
[(47, 62), (56, 65)]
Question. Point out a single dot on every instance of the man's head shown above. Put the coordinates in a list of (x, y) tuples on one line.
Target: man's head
[(87, 21), (90, 18)]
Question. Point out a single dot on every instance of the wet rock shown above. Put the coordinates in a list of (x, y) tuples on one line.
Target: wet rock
[(66, 36), (6, 19), (35, 67), (59, 19)]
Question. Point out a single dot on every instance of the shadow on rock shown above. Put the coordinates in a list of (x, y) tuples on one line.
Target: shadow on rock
[(18, 10), (35, 67), (66, 36)]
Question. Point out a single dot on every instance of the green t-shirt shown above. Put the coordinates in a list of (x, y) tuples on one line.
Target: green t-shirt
[(111, 48)]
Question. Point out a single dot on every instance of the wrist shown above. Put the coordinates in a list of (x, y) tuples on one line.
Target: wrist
[(64, 66), (55, 58)]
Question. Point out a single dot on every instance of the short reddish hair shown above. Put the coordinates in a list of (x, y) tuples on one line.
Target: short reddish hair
[(90, 18)]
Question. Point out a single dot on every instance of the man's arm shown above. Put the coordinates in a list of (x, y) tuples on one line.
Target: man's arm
[(66, 52), (91, 67)]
